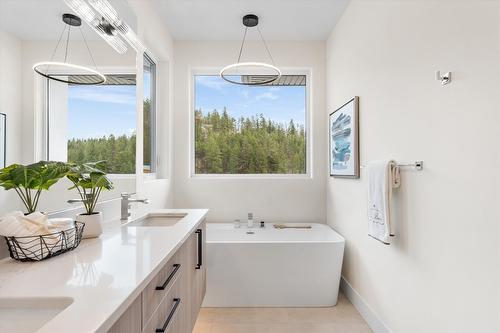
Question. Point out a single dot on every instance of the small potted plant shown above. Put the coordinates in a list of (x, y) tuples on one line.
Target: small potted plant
[(30, 180), (89, 179)]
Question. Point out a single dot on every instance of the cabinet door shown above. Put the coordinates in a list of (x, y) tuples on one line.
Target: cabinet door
[(183, 322), (131, 319), (197, 282)]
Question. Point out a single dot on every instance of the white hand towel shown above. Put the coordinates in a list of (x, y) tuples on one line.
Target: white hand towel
[(383, 176)]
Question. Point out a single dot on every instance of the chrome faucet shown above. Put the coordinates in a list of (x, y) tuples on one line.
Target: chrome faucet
[(125, 205)]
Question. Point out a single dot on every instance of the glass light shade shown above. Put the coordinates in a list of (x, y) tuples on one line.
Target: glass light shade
[(107, 11), (88, 14)]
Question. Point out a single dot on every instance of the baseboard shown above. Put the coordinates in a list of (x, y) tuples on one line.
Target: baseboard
[(371, 318)]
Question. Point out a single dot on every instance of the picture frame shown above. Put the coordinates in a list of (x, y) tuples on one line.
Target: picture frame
[(343, 137), (3, 140)]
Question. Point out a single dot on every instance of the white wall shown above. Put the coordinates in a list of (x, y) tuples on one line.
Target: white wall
[(159, 43), (231, 198), (10, 104), (441, 272), (58, 121)]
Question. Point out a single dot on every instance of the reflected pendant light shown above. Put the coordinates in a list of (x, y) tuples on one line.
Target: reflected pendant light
[(61, 70), (251, 73)]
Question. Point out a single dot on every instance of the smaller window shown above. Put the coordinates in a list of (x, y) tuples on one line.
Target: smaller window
[(149, 116)]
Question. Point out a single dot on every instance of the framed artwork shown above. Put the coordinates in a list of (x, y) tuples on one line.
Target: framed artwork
[(344, 140), (3, 138)]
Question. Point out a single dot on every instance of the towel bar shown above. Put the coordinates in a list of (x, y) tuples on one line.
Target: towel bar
[(417, 165)]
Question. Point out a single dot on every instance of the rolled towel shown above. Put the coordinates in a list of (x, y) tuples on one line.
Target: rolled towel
[(60, 224), (36, 223), (12, 225), (63, 224)]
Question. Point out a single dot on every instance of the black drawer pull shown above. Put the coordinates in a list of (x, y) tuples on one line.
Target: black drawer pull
[(200, 248), (177, 301), (170, 277)]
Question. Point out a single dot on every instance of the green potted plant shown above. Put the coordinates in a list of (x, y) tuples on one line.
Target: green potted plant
[(29, 181), (89, 180)]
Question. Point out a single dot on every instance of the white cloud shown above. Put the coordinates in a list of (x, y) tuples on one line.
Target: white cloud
[(93, 95), (266, 95), (212, 82)]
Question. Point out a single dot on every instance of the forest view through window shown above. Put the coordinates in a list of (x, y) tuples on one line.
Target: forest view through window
[(250, 129), (89, 123)]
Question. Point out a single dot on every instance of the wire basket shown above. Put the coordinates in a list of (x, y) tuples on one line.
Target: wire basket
[(36, 248)]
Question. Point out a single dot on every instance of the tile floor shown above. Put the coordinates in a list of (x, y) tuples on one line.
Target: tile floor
[(343, 318)]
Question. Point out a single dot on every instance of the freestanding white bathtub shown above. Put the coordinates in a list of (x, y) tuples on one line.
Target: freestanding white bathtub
[(272, 267)]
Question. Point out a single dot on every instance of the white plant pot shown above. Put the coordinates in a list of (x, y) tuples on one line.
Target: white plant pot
[(93, 224)]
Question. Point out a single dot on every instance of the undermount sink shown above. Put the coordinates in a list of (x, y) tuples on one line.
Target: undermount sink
[(20, 315), (158, 220)]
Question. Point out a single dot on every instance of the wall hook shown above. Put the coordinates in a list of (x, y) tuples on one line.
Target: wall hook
[(444, 78)]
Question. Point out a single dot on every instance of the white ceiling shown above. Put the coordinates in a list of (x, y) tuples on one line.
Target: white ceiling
[(188, 19), (42, 19), (279, 19)]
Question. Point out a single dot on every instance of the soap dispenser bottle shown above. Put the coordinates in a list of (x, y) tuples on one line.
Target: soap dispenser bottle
[(250, 220)]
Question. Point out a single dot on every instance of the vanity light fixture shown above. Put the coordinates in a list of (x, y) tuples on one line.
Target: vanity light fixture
[(105, 21), (251, 73), (56, 70)]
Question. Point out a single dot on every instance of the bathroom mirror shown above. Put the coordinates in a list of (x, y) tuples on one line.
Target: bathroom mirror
[(73, 122)]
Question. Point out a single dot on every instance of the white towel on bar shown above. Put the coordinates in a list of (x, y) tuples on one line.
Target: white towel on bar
[(383, 176)]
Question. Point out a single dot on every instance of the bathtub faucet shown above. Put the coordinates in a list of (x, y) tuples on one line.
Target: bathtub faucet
[(250, 220)]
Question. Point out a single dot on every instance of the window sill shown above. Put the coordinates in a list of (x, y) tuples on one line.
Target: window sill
[(253, 176), (121, 176)]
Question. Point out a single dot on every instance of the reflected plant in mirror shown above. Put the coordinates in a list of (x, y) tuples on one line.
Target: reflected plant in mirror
[(30, 180), (89, 180)]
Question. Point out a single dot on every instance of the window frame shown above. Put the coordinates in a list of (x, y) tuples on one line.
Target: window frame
[(46, 115), (307, 71), (154, 127)]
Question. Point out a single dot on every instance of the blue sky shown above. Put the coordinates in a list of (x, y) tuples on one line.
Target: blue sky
[(95, 111), (101, 110), (277, 103)]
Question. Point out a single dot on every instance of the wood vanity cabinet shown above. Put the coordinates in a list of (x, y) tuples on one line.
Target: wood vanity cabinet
[(171, 302)]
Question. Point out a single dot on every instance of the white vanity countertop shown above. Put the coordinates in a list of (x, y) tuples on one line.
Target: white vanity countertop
[(103, 275)]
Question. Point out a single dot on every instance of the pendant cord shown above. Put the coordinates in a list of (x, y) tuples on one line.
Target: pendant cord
[(88, 49), (57, 46), (67, 43), (242, 43), (265, 45)]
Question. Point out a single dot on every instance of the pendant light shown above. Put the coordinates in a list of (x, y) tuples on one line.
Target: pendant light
[(251, 73), (61, 70)]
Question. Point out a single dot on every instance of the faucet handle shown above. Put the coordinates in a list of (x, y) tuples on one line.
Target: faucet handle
[(146, 201), (125, 195)]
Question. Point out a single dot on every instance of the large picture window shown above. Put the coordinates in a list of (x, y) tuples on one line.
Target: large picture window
[(88, 123), (250, 129)]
